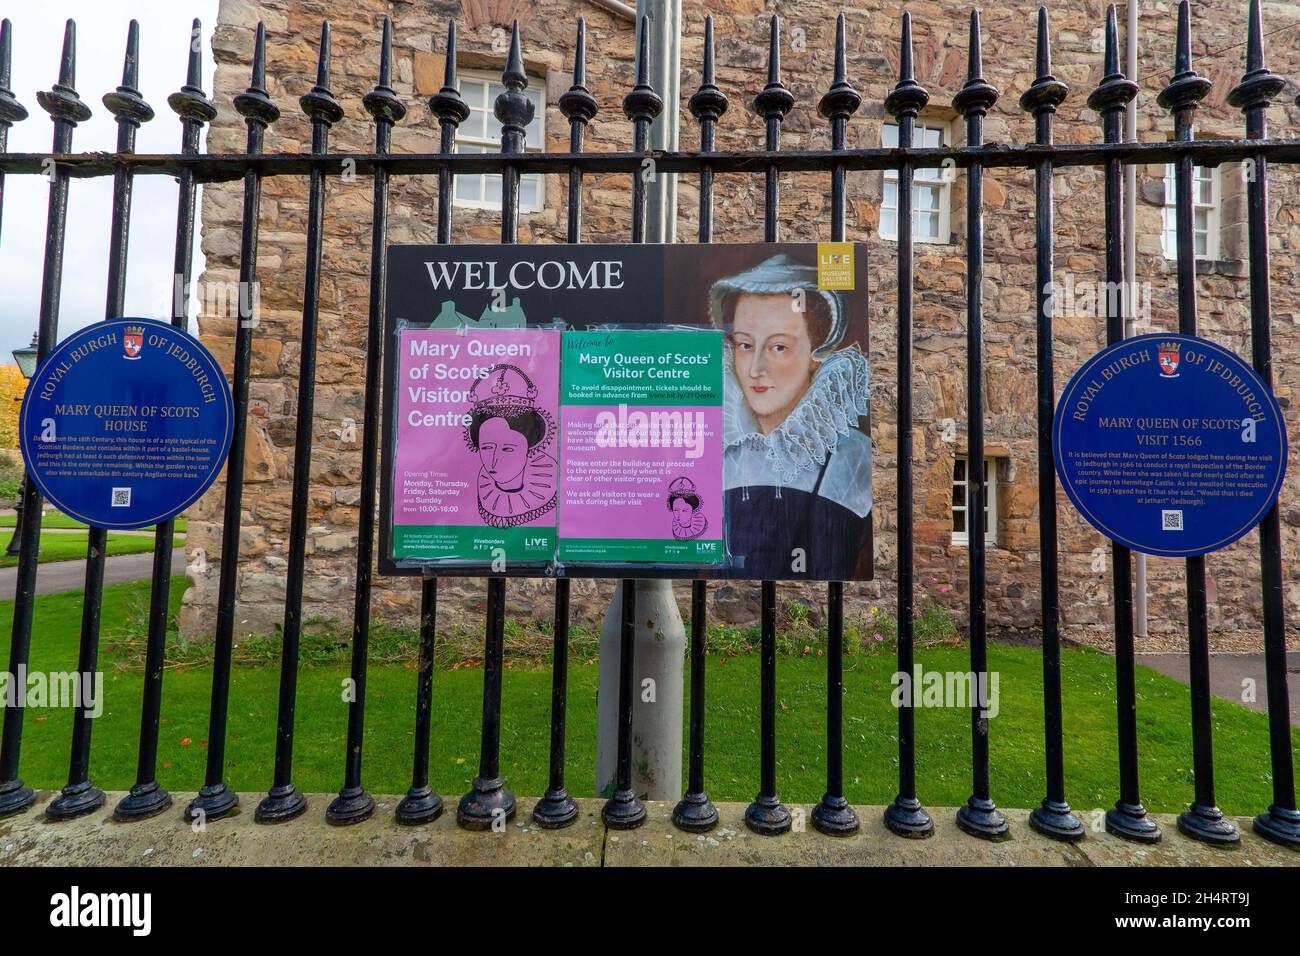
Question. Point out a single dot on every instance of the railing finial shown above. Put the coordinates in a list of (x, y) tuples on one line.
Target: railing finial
[(977, 96), (319, 102), (908, 97), (1115, 89), (189, 103), (62, 103), (254, 104), (514, 76), (774, 101), (1047, 91), (708, 103), (841, 101), (1258, 86), (447, 103), (382, 103), (11, 111), (513, 110), (577, 104), (68, 59), (774, 51), (1187, 88), (125, 103), (642, 103)]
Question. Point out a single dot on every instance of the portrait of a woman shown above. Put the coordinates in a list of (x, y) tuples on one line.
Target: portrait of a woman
[(797, 460), (517, 479), (684, 502)]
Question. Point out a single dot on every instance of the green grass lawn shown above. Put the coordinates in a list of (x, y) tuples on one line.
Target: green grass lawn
[(72, 547), (57, 519), (732, 751)]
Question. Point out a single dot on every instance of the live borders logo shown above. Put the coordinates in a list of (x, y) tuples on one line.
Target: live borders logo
[(75, 909)]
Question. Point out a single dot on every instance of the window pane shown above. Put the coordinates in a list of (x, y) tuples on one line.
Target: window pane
[(925, 198), (958, 470), (473, 93), (930, 138), (469, 187), (1202, 244), (889, 222), (528, 191), (492, 189), (891, 195), (533, 134), (927, 225), (1205, 190), (889, 136), (959, 522), (959, 495)]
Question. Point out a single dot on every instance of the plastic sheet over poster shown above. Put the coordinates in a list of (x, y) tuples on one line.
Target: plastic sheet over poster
[(628, 411)]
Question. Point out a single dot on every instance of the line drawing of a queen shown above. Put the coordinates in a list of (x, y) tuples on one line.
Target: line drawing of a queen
[(510, 434), (796, 462)]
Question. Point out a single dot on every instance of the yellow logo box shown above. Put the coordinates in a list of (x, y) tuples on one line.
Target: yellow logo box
[(835, 266)]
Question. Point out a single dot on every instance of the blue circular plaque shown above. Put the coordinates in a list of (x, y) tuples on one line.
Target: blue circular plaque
[(1170, 445), (126, 423)]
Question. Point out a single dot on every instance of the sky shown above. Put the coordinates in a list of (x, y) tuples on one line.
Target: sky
[(101, 43)]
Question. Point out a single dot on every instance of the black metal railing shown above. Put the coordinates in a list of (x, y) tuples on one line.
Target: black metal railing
[(489, 797)]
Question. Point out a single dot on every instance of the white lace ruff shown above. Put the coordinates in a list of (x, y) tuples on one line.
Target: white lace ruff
[(838, 396)]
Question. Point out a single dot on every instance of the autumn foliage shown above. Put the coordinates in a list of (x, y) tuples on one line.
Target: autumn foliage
[(12, 386)]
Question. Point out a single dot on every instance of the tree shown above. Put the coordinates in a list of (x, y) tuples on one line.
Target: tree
[(12, 386)]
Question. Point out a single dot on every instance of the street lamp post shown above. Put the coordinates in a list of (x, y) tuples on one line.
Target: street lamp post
[(25, 358)]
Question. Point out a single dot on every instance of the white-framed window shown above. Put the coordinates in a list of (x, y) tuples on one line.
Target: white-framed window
[(1206, 202), (481, 133), (961, 496), (931, 187)]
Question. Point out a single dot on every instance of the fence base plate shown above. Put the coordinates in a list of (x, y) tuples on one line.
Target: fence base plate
[(1130, 821), (695, 813), (1279, 826), (15, 797), (352, 805), (75, 801), (623, 811), (420, 805), (487, 803), (282, 803), (555, 810), (766, 816), (212, 803), (980, 818), (834, 817), (1055, 819), (907, 818), (1208, 825), (145, 801)]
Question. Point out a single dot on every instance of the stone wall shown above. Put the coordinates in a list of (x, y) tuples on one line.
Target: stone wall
[(741, 31)]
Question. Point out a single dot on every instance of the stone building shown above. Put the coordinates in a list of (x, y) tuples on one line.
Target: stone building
[(741, 29)]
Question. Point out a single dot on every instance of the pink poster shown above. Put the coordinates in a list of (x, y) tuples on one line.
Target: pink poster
[(475, 475)]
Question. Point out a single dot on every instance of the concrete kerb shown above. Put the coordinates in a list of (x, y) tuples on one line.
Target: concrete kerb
[(96, 840)]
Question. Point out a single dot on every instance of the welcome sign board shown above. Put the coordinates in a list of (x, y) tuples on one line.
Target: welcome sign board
[(627, 411)]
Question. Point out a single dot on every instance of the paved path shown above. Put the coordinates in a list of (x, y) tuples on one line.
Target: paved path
[(1227, 671), (117, 532), (71, 575)]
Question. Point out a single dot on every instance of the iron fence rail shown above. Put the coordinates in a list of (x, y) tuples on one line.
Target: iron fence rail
[(489, 799)]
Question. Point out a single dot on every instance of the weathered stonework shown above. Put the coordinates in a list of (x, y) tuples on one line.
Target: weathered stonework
[(741, 30)]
